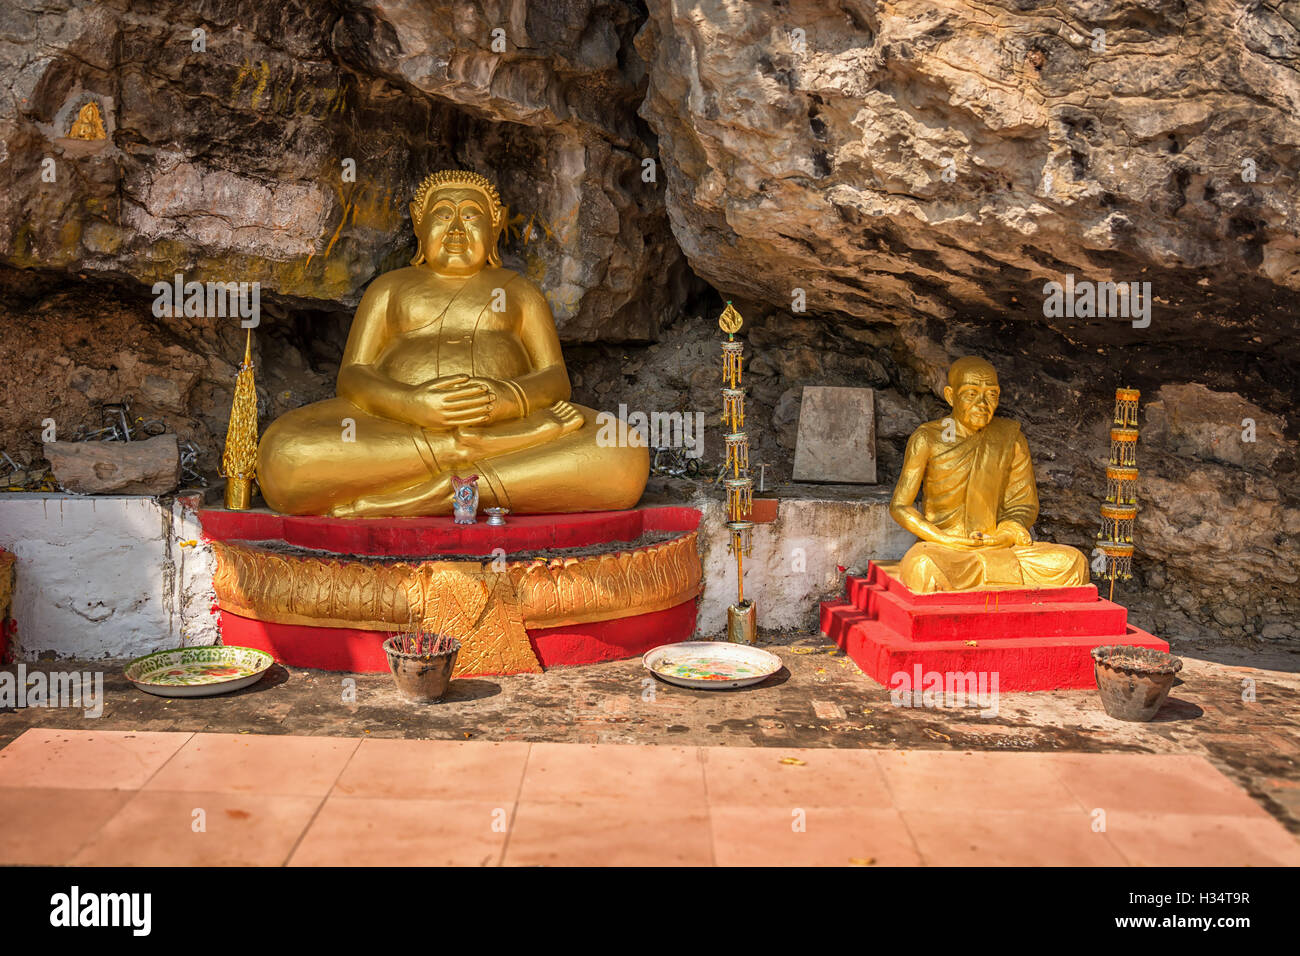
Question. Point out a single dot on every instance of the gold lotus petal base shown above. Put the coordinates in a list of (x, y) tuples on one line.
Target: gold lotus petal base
[(490, 606)]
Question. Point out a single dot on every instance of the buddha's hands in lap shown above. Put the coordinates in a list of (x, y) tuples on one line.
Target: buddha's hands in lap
[(452, 402), (504, 406)]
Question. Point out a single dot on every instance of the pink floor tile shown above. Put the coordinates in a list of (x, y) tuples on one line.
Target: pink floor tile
[(943, 780), (435, 770), (361, 832), (331, 801), (830, 836), (1009, 838), (1161, 839), (610, 833), (86, 759), (158, 828), (42, 827), (1152, 783), (249, 763), (638, 776), (794, 777)]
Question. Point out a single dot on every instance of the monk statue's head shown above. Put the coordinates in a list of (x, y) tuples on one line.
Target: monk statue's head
[(973, 392), (458, 218)]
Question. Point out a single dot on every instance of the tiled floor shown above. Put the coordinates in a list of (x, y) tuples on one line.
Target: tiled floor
[(120, 797)]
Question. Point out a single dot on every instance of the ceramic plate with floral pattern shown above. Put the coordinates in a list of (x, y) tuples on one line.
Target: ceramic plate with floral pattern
[(711, 664), (198, 671)]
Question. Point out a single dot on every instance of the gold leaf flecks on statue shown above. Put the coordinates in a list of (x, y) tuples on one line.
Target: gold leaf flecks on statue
[(239, 461)]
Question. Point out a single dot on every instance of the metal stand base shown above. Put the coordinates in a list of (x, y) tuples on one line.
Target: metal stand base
[(742, 623), (239, 494)]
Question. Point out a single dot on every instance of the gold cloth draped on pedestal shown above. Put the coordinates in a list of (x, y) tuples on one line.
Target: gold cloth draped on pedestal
[(487, 607)]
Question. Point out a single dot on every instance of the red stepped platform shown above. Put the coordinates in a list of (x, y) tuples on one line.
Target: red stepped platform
[(1033, 639)]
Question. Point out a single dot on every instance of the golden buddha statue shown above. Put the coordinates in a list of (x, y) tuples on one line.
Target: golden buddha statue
[(452, 367), (979, 498)]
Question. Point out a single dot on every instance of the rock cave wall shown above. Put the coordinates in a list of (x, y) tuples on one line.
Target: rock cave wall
[(914, 172)]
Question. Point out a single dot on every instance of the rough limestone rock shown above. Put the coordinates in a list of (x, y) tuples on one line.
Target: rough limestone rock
[(936, 160), (286, 150), (149, 467)]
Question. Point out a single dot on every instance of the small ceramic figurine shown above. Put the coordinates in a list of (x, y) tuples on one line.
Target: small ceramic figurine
[(464, 498)]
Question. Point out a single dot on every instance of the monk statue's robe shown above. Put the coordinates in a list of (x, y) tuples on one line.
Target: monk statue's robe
[(982, 484)]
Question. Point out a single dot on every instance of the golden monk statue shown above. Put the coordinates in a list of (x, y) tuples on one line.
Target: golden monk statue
[(452, 367), (980, 501)]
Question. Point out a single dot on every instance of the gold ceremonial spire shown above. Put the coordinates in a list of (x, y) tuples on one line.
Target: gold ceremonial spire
[(239, 461)]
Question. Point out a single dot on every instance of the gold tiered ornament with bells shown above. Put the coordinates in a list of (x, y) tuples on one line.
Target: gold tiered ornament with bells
[(1115, 540), (735, 662), (239, 461), (742, 626)]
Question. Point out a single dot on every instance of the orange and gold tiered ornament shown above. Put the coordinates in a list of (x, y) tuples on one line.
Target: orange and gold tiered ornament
[(1119, 512), (742, 624)]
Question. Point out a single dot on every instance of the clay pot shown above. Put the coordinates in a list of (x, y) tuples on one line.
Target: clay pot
[(421, 677), (1133, 681)]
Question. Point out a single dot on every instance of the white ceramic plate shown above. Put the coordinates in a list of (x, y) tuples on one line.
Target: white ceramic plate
[(198, 671), (711, 664)]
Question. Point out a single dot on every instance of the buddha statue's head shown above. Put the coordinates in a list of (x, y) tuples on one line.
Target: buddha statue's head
[(973, 392), (458, 218)]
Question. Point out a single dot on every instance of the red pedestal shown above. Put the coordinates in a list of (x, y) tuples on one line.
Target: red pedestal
[(350, 649), (1033, 639), (362, 652), (426, 537)]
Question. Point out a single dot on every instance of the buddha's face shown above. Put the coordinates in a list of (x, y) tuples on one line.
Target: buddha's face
[(974, 398), (455, 231)]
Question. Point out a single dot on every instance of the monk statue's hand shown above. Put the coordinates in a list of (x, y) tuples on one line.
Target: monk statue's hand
[(1016, 533), (958, 542), (1001, 539), (450, 402)]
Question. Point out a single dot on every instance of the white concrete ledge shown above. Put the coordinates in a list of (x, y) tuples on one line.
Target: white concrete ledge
[(123, 575), (106, 576), (796, 558)]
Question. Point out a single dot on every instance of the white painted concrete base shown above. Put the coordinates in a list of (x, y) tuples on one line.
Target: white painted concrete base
[(106, 576), (121, 576), (795, 559)]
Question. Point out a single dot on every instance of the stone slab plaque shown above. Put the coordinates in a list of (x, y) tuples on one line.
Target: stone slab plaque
[(837, 436)]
